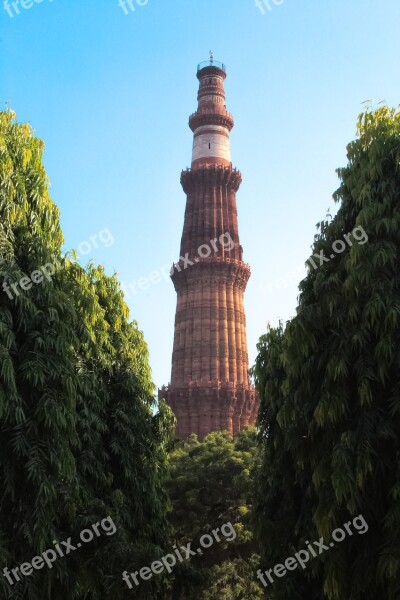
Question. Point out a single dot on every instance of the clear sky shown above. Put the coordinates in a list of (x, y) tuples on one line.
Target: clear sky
[(110, 94)]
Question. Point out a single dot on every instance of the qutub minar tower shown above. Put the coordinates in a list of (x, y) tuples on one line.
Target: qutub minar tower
[(210, 388)]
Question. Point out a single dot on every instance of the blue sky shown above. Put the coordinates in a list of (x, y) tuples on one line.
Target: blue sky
[(110, 94)]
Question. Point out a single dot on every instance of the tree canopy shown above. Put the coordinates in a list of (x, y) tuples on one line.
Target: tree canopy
[(211, 484), (329, 384), (79, 437)]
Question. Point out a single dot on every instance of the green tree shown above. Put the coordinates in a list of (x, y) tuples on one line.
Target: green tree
[(123, 447), (211, 484), (330, 384), (79, 438), (281, 503)]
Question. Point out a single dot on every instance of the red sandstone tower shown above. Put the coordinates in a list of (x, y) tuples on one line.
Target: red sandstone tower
[(210, 388)]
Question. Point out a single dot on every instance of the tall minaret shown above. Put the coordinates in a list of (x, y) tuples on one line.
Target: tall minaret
[(210, 388)]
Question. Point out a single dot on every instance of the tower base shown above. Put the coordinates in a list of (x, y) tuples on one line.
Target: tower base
[(202, 408)]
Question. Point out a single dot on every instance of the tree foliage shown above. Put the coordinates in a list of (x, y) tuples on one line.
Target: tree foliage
[(79, 438), (211, 484), (330, 390)]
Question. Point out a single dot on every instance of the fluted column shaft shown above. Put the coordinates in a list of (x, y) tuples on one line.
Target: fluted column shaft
[(210, 388)]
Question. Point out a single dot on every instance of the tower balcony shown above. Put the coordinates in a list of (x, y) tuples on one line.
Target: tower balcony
[(212, 269), (211, 175), (210, 116), (211, 63)]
